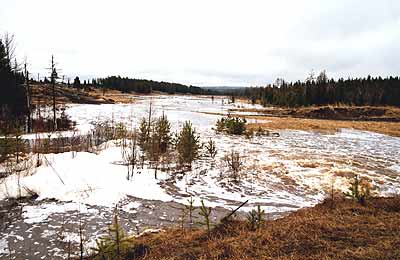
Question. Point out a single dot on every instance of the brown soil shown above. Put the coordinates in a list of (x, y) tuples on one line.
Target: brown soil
[(340, 229)]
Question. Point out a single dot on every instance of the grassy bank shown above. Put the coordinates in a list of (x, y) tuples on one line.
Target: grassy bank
[(340, 112), (42, 94), (327, 119), (339, 229), (324, 125)]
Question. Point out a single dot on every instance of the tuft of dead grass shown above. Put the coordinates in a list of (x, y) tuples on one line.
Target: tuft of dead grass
[(308, 164), (338, 229)]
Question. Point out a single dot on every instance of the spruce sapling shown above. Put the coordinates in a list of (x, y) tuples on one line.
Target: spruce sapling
[(190, 209), (211, 148), (205, 212)]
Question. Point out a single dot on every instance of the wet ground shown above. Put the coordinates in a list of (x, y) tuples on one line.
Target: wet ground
[(29, 229)]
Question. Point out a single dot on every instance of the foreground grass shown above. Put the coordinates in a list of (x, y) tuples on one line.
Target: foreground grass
[(340, 229)]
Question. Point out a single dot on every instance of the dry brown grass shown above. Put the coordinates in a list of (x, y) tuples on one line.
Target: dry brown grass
[(330, 112), (282, 121), (385, 120), (326, 126), (342, 229), (65, 95), (308, 164), (114, 95)]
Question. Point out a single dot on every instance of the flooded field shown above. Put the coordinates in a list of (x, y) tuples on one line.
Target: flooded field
[(282, 174)]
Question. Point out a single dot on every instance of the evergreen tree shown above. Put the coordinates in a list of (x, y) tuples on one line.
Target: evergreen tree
[(77, 82), (146, 86), (205, 212), (211, 148), (234, 126), (143, 137), (188, 144), (163, 134), (13, 100), (116, 243), (324, 91)]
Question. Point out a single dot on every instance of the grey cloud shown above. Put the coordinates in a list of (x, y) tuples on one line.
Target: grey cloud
[(346, 37), (341, 19)]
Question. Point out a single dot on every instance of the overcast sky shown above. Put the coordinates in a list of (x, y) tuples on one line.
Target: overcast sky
[(207, 42)]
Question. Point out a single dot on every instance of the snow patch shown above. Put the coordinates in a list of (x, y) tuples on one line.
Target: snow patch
[(40, 213), (4, 246)]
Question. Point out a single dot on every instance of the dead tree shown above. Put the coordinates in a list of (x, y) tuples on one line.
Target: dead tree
[(53, 77), (28, 97)]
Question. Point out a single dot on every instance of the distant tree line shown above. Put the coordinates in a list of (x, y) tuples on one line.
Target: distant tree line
[(143, 86), (125, 84), (372, 91)]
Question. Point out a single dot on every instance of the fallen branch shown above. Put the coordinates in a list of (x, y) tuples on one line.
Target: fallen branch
[(233, 212), (54, 170)]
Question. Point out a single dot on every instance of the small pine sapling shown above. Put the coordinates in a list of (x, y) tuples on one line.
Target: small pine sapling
[(211, 148), (252, 219), (190, 208), (115, 244), (235, 162), (143, 135), (188, 145), (255, 218), (163, 134), (205, 212), (360, 189)]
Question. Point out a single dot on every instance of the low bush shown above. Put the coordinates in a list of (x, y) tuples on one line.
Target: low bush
[(231, 125)]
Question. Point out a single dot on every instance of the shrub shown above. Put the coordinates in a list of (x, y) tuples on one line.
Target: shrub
[(211, 148), (13, 148), (235, 162), (233, 126), (143, 136), (360, 189), (163, 134), (188, 145), (255, 218)]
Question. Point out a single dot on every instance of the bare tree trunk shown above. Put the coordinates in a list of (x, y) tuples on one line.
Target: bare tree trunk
[(28, 99), (53, 86), (148, 124), (80, 237)]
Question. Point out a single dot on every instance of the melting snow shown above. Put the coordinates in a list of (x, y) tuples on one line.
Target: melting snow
[(282, 173)]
